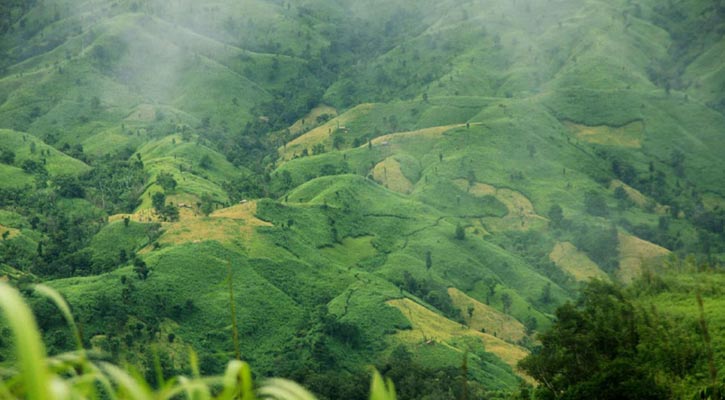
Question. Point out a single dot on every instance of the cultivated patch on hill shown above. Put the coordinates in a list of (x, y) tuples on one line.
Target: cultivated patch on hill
[(322, 133), (630, 135), (431, 328), (389, 174), (634, 253), (521, 214), (486, 319), (575, 262)]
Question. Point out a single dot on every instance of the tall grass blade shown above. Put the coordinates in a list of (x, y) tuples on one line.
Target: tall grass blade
[(238, 381), (132, 389), (282, 389), (28, 344), (64, 308), (381, 389)]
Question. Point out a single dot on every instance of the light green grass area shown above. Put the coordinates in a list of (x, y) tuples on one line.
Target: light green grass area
[(14, 177), (27, 147)]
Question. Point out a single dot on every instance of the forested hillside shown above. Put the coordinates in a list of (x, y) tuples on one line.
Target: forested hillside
[(390, 183)]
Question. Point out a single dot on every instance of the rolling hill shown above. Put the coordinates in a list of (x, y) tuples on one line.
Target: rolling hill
[(374, 179)]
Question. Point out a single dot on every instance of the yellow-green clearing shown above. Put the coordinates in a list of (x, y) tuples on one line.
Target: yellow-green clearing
[(634, 253), (629, 135), (575, 262), (429, 326), (389, 174), (484, 317)]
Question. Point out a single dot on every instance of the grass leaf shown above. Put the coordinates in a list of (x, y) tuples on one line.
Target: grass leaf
[(28, 344)]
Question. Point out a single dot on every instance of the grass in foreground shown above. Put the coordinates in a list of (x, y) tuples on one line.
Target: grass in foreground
[(76, 375)]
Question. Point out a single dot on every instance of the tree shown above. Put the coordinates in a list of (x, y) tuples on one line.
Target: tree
[(595, 204), (556, 215), (319, 148), (601, 245), (491, 286), (338, 141), (594, 350), (460, 232), (428, 260), (471, 178), (140, 268), (69, 186), (205, 162), (545, 297), (158, 200), (207, 204), (624, 171), (677, 160), (171, 213), (286, 178), (506, 302), (7, 156), (166, 181)]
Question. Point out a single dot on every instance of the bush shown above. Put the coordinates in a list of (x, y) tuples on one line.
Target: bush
[(595, 204)]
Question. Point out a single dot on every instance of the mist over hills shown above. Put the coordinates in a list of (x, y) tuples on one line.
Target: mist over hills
[(392, 183)]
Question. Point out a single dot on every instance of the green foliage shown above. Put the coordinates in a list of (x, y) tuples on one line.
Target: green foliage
[(556, 215), (207, 204), (600, 243), (115, 184), (69, 186), (607, 346), (595, 204), (460, 233), (7, 156), (140, 268), (110, 105), (158, 201), (166, 181), (74, 374), (205, 162), (432, 292)]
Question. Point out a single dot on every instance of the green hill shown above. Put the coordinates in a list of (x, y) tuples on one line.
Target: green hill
[(381, 182)]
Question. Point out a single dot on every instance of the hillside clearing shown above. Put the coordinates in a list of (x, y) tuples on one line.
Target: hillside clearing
[(634, 253), (629, 135), (321, 133), (575, 262), (521, 214), (311, 118), (429, 133), (638, 198), (389, 174), (11, 232), (428, 325), (484, 317)]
